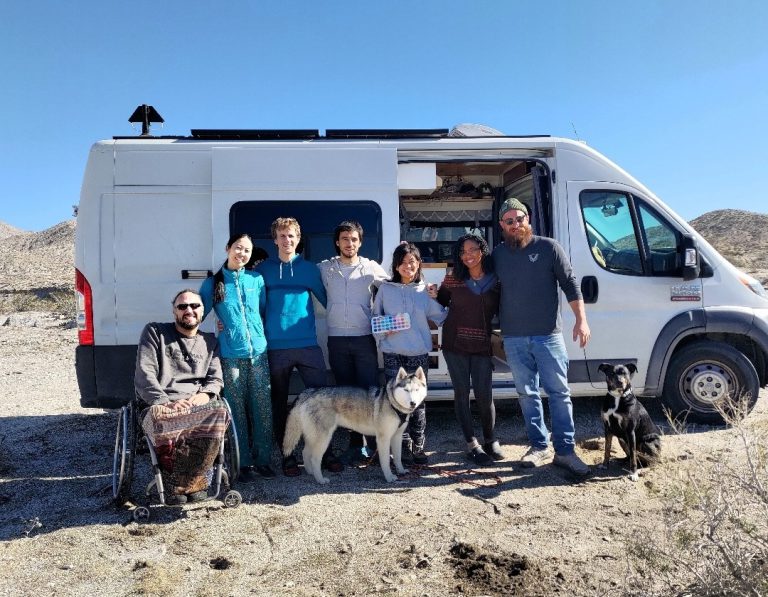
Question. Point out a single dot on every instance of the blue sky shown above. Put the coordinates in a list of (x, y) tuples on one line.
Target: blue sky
[(674, 92)]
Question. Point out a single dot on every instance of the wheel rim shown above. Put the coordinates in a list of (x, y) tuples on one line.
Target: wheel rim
[(118, 462), (708, 383)]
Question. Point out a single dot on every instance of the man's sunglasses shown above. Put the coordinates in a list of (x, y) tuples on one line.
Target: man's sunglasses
[(517, 220), (183, 306)]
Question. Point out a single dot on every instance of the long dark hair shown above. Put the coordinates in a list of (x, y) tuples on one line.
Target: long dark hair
[(398, 256), (460, 271), (219, 291)]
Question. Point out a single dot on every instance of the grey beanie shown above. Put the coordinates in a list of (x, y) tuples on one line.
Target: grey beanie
[(511, 204)]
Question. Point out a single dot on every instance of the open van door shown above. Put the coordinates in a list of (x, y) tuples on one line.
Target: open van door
[(629, 259)]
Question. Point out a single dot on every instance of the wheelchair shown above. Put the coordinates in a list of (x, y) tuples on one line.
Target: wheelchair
[(130, 440)]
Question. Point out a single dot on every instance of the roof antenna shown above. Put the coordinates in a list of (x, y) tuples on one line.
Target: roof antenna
[(145, 115), (575, 132)]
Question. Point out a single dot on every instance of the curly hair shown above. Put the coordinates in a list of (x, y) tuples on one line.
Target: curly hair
[(460, 271)]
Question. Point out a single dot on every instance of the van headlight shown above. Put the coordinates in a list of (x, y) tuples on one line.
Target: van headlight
[(753, 285)]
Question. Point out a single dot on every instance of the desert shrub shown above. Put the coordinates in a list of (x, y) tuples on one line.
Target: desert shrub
[(715, 536)]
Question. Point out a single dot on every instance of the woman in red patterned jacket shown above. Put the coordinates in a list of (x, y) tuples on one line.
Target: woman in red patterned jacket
[(471, 293)]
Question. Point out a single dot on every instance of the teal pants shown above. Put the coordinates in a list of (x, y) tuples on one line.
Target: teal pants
[(246, 388)]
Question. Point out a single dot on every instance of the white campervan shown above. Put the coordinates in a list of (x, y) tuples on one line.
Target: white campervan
[(155, 214)]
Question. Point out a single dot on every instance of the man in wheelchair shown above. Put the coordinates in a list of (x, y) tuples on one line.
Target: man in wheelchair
[(178, 378)]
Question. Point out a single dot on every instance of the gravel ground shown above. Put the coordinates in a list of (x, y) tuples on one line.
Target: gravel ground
[(444, 529)]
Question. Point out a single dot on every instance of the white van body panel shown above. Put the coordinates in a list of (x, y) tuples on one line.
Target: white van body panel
[(151, 208)]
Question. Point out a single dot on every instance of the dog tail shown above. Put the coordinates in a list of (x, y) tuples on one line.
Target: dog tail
[(292, 431)]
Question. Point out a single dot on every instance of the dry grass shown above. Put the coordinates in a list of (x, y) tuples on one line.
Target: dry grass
[(714, 538)]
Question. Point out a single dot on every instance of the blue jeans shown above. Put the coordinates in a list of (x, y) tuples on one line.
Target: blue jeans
[(544, 359)]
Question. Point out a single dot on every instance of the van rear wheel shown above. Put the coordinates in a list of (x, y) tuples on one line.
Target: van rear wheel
[(708, 379)]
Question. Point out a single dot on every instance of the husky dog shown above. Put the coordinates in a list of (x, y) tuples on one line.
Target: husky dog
[(382, 412), (627, 419)]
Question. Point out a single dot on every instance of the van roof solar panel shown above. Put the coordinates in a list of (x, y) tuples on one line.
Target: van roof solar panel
[(254, 134), (385, 133)]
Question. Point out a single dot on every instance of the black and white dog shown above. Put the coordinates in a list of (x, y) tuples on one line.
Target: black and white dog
[(627, 419)]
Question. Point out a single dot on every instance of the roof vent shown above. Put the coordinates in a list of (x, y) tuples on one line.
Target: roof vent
[(474, 130), (145, 115)]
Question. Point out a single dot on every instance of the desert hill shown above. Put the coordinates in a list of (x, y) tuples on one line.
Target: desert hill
[(740, 236), (7, 230), (33, 260), (39, 265)]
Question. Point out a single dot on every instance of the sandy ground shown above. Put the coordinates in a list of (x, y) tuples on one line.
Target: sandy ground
[(444, 529)]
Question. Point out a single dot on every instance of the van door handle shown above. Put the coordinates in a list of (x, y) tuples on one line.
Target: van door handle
[(589, 289)]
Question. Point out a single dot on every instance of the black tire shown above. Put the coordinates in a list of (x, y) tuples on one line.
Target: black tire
[(231, 449), (706, 375), (124, 455)]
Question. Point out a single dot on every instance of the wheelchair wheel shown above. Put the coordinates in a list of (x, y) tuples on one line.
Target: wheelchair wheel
[(232, 499), (231, 449), (141, 514), (124, 456)]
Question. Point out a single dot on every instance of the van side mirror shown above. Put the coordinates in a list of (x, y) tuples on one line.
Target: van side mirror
[(691, 262)]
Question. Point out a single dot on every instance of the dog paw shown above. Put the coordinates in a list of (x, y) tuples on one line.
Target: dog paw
[(391, 479), (323, 480), (402, 471), (634, 477)]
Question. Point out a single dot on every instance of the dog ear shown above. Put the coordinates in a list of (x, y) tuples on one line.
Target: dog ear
[(605, 368), (401, 374), (420, 374), (632, 368)]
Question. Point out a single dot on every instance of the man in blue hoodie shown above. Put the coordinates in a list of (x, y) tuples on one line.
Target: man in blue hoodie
[(352, 353), (290, 324)]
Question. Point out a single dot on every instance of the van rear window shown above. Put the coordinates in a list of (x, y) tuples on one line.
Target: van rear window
[(317, 219)]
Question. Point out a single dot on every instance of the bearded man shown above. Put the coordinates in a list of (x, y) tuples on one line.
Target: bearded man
[(531, 269), (178, 379)]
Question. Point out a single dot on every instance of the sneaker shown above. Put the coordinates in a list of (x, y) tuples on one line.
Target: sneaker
[(419, 455), (265, 471), (536, 457), (571, 462), (331, 463), (197, 496), (176, 499), (247, 474), (354, 455), (291, 467), (493, 450), (479, 457)]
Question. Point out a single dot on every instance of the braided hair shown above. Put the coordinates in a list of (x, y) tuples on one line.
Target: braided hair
[(219, 291)]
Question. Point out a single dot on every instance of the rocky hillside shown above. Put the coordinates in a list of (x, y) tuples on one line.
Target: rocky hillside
[(740, 236), (40, 265), (7, 230), (37, 268)]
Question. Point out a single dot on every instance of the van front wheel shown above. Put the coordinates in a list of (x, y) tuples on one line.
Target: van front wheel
[(707, 379)]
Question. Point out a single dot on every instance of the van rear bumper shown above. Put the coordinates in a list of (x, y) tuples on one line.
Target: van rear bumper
[(105, 375)]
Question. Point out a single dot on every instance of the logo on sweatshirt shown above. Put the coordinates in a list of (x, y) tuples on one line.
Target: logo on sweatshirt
[(533, 257)]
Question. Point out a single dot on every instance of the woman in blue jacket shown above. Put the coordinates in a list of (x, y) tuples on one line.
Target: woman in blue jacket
[(238, 297)]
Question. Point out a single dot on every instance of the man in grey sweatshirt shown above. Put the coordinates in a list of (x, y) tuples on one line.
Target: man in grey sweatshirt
[(178, 377), (349, 281)]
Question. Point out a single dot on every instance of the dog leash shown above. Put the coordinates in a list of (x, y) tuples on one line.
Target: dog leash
[(415, 472)]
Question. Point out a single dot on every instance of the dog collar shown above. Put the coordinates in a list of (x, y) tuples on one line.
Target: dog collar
[(403, 416)]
